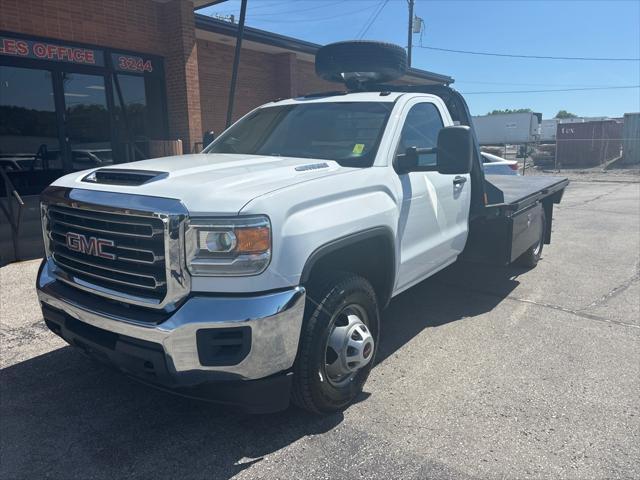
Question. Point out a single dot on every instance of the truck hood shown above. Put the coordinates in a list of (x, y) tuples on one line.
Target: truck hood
[(213, 183)]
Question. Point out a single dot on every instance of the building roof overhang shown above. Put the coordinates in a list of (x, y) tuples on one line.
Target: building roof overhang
[(206, 3), (219, 31)]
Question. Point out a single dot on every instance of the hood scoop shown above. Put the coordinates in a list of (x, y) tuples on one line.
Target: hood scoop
[(122, 176)]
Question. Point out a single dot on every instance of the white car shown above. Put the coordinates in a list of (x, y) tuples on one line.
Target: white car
[(495, 165)]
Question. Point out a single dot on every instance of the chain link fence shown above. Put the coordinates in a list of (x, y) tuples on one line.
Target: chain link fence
[(602, 146)]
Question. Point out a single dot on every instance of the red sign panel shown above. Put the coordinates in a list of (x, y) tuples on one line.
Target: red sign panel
[(50, 51)]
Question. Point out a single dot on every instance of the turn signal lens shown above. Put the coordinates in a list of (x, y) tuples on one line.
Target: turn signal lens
[(252, 240)]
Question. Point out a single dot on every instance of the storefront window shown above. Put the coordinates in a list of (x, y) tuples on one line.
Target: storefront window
[(87, 120), (66, 113), (138, 114), (135, 102), (28, 126), (131, 116)]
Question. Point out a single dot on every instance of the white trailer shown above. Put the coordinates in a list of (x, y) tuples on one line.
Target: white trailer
[(548, 129), (507, 128)]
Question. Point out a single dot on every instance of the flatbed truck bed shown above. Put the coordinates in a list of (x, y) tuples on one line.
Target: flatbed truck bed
[(501, 232), (515, 192)]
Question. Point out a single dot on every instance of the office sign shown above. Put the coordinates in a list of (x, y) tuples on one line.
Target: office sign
[(54, 52)]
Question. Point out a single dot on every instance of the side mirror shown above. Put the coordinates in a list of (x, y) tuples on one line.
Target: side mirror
[(455, 150), (208, 137), (406, 162)]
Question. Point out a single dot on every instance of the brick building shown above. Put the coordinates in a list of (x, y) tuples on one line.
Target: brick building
[(95, 82)]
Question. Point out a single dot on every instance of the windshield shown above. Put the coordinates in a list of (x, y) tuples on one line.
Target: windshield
[(347, 132)]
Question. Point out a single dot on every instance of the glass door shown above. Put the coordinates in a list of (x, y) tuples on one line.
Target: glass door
[(29, 139), (86, 114)]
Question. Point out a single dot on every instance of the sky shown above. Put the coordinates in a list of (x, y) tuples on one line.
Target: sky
[(605, 29)]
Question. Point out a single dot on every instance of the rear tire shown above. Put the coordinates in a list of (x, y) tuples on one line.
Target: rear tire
[(530, 258), (338, 344), (382, 62)]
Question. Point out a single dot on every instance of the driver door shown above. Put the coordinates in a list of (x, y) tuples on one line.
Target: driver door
[(433, 224)]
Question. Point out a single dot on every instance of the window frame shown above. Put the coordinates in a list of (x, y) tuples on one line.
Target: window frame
[(394, 144), (420, 168)]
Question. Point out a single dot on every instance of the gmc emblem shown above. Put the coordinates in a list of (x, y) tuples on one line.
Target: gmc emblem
[(89, 245)]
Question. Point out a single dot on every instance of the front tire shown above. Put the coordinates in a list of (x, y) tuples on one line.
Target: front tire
[(338, 344)]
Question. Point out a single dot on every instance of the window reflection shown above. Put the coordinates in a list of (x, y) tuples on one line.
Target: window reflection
[(28, 128), (131, 114), (421, 128), (39, 143), (87, 120)]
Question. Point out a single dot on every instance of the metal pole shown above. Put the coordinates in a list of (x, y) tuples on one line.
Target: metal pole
[(555, 162), (410, 34), (236, 62)]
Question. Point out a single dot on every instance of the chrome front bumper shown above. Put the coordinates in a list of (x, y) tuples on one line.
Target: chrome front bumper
[(275, 320)]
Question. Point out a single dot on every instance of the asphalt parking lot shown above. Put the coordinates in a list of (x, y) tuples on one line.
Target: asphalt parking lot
[(482, 373)]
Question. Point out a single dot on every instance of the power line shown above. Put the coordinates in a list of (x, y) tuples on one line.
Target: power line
[(570, 85), (384, 4), (289, 12), (263, 5), (315, 19), (556, 90), (366, 22), (538, 57)]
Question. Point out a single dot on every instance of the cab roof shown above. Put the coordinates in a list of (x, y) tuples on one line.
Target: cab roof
[(337, 96)]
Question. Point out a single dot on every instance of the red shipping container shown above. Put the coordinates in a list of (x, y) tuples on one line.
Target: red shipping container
[(588, 144)]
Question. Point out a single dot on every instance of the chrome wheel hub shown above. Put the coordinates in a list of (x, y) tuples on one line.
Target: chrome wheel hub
[(350, 346)]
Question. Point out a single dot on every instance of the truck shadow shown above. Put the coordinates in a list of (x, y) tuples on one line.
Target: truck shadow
[(64, 416), (463, 290)]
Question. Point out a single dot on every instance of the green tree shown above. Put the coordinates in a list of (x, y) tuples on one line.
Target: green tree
[(509, 110), (565, 114)]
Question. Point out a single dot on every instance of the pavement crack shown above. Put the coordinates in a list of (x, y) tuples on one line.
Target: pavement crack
[(578, 313), (629, 181), (597, 197), (615, 291)]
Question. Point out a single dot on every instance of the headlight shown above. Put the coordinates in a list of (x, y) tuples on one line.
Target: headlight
[(228, 246)]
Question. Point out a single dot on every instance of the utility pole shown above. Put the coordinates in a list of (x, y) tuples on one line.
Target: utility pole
[(236, 62), (410, 33)]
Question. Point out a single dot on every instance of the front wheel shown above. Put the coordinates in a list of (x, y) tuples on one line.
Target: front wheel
[(337, 345)]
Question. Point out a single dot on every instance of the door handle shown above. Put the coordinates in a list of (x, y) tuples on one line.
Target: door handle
[(459, 180)]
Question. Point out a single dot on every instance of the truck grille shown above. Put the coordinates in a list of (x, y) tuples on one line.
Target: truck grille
[(121, 253), (124, 247)]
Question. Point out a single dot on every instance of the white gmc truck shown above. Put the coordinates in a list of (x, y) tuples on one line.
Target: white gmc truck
[(254, 272)]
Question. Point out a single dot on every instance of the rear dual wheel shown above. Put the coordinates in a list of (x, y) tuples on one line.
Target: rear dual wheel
[(337, 344), (531, 257)]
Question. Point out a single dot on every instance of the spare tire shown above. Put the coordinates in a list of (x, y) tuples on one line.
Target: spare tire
[(358, 62)]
